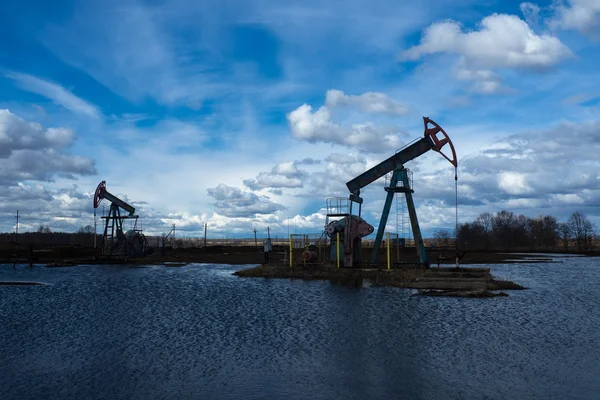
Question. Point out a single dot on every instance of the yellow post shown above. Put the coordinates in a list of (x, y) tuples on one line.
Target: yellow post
[(319, 243), (337, 245), (387, 240), (306, 248), (291, 251)]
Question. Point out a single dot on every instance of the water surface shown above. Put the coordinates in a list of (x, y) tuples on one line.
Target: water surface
[(112, 332)]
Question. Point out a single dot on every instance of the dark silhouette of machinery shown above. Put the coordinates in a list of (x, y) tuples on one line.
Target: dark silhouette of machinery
[(115, 242), (310, 255), (352, 233)]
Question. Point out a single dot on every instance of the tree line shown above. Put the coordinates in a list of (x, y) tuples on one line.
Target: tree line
[(508, 231), (504, 231)]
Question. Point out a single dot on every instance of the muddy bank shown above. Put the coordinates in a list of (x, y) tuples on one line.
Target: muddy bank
[(469, 293), (464, 282)]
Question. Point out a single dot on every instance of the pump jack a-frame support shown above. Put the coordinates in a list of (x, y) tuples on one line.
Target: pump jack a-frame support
[(400, 176)]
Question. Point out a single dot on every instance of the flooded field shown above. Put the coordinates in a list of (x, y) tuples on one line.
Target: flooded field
[(197, 331)]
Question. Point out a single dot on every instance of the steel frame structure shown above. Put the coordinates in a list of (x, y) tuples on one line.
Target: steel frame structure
[(395, 163)]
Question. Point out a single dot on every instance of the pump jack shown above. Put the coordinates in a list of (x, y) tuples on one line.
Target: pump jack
[(395, 164), (114, 240)]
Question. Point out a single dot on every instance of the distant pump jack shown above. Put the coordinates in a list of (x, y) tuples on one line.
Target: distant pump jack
[(115, 242)]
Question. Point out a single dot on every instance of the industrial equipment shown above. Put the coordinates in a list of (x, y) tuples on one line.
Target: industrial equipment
[(114, 241), (359, 228), (310, 255), (352, 233)]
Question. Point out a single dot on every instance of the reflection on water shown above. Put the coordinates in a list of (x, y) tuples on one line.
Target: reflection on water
[(199, 332)]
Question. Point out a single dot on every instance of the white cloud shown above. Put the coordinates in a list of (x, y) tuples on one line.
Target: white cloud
[(504, 41), (17, 134), (581, 15), (501, 41), (186, 221), (315, 127), (370, 102), (532, 164), (313, 221), (29, 151), (567, 199), (268, 180), (325, 178), (513, 183), (56, 93), (233, 202), (63, 209), (331, 181), (530, 12), (288, 169), (221, 225), (344, 159), (282, 175), (485, 81)]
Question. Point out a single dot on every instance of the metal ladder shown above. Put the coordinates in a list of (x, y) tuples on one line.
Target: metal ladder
[(403, 229)]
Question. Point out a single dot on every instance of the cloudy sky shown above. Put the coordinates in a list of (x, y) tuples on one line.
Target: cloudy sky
[(249, 114)]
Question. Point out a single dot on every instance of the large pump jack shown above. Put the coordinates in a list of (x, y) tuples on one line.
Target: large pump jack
[(395, 164)]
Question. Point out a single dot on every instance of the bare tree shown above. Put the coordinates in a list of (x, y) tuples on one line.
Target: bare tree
[(472, 236), (44, 229), (486, 220), (582, 230), (442, 237), (543, 231), (549, 231), (564, 232), (87, 230), (503, 224)]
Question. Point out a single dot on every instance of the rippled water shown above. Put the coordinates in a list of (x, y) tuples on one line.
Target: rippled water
[(198, 332)]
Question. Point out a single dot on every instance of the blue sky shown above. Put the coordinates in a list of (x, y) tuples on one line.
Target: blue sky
[(249, 114)]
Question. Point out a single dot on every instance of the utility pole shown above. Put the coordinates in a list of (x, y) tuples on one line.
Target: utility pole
[(173, 238), (268, 233), (205, 225), (255, 241), (17, 228)]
